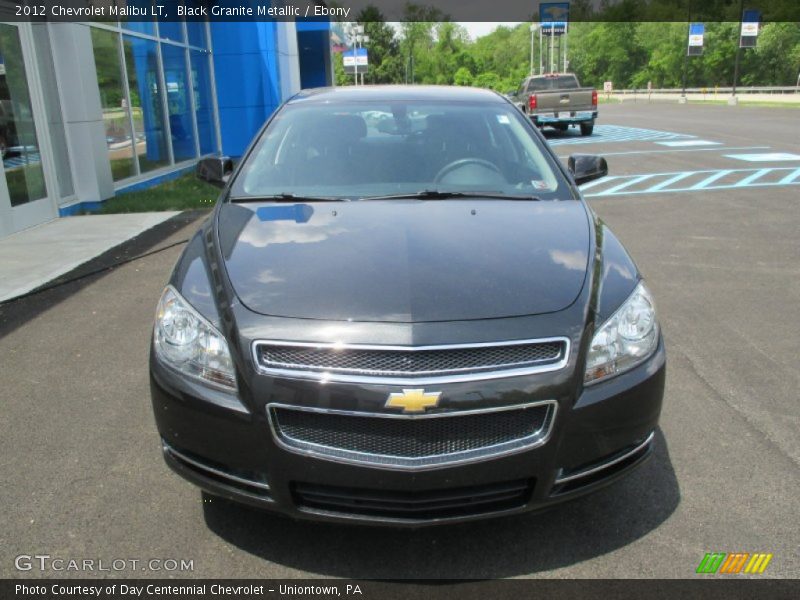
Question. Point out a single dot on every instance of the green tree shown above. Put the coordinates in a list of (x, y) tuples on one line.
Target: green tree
[(463, 77), (777, 54), (385, 62)]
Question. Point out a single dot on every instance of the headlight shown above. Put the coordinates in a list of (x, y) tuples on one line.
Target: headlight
[(627, 338), (187, 342)]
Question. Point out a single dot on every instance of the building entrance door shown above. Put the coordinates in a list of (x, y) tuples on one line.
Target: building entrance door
[(24, 197)]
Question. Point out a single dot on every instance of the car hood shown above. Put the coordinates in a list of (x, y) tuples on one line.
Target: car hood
[(406, 261)]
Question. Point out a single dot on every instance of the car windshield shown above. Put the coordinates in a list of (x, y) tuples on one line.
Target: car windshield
[(357, 150)]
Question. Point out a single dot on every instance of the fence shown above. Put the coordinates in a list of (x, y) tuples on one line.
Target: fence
[(782, 94)]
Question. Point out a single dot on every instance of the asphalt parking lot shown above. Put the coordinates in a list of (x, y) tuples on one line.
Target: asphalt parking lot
[(715, 233)]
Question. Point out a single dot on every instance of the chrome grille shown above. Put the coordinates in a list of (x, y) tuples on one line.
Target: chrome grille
[(403, 441), (410, 364)]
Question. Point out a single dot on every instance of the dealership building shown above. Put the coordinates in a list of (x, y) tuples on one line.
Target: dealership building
[(90, 110)]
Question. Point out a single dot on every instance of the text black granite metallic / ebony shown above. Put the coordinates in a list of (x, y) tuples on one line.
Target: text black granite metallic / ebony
[(401, 311)]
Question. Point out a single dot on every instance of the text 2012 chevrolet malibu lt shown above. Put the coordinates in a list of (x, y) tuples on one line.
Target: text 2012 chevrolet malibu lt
[(401, 311)]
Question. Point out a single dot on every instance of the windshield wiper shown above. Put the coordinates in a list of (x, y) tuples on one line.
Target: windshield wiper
[(287, 197), (444, 195)]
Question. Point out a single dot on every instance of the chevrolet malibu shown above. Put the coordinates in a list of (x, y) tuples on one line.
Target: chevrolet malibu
[(401, 311)]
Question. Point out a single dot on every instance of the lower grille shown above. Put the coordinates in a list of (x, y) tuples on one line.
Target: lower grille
[(414, 506), (571, 480), (400, 441), (245, 481)]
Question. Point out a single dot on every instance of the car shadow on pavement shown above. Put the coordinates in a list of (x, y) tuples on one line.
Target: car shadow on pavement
[(526, 544), (555, 134)]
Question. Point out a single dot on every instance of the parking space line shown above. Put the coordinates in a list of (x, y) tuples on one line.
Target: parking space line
[(750, 178), (665, 181), (676, 150), (669, 181), (790, 177), (606, 179), (711, 179), (765, 156), (626, 184), (690, 143)]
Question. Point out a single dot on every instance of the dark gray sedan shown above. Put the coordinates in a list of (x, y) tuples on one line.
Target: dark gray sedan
[(402, 311)]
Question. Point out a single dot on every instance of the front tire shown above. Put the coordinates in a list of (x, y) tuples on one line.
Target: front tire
[(587, 128)]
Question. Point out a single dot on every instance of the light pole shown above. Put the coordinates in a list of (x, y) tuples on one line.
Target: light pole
[(355, 35), (738, 52), (363, 41), (534, 29)]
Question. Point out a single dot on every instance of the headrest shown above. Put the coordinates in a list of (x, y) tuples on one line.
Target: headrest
[(339, 128)]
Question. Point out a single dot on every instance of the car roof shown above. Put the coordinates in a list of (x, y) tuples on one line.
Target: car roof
[(389, 93)]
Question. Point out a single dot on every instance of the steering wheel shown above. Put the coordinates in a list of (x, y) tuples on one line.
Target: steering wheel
[(462, 162)]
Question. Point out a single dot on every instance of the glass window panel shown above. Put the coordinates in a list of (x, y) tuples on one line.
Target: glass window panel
[(141, 61), (18, 142), (138, 23), (197, 33), (179, 102), (112, 99), (172, 29), (201, 77)]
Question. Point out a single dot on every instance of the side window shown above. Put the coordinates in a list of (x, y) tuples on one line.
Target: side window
[(521, 89)]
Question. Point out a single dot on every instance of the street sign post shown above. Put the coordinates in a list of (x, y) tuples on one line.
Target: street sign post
[(747, 39), (554, 17)]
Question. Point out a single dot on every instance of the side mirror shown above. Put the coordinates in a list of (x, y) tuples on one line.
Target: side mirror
[(587, 167), (215, 170)]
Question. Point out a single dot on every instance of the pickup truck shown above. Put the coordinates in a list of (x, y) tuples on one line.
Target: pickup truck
[(557, 100)]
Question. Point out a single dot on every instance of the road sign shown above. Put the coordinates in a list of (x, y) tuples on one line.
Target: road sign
[(749, 33), (750, 20), (696, 31), (353, 57), (608, 86), (554, 17)]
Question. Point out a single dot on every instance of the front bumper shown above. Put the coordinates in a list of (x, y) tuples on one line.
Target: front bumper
[(229, 450)]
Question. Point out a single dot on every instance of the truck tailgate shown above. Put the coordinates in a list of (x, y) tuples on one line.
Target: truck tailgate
[(564, 100)]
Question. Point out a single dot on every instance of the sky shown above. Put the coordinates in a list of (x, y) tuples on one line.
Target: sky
[(475, 29)]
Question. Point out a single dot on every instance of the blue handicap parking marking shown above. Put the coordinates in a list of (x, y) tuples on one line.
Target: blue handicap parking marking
[(765, 156), (691, 181), (614, 133)]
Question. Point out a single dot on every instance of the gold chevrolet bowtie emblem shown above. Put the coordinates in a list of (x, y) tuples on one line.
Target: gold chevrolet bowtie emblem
[(413, 401)]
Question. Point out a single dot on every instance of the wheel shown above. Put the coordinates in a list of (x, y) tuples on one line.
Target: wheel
[(561, 126), (587, 128)]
